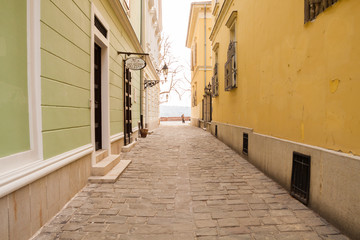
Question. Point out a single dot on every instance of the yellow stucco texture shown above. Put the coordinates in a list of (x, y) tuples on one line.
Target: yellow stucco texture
[(195, 42), (295, 81)]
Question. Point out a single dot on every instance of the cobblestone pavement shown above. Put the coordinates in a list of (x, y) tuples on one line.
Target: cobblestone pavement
[(185, 184)]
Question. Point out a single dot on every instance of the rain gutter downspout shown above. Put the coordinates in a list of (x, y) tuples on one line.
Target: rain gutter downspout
[(205, 45), (142, 71)]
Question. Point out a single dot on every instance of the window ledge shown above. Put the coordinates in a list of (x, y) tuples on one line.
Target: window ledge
[(14, 180)]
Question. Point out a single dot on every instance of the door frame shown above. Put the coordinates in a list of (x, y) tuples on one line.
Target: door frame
[(127, 103), (103, 42)]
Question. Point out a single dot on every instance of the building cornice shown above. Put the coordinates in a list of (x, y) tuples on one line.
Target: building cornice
[(123, 18), (220, 19), (194, 15)]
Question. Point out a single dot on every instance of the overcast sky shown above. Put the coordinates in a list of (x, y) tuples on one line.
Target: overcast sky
[(175, 23)]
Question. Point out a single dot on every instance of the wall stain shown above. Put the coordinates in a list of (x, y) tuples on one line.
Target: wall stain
[(334, 84), (15, 206)]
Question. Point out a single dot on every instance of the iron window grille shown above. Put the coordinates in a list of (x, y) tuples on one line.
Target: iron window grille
[(215, 82), (230, 67), (314, 7), (300, 178), (245, 143), (194, 101), (100, 27)]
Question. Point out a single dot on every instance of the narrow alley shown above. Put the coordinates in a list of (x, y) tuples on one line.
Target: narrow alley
[(183, 183)]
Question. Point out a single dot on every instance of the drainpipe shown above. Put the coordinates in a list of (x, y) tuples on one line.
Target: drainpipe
[(205, 45), (142, 71)]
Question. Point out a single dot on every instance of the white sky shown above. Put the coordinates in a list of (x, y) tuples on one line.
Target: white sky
[(175, 15)]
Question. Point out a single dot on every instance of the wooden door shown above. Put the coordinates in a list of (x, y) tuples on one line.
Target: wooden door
[(97, 103), (127, 107)]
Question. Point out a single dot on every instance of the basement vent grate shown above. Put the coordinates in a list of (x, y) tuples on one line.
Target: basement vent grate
[(245, 143), (100, 27), (216, 131), (300, 178)]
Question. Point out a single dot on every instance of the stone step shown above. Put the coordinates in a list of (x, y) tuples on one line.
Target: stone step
[(101, 154), (112, 175), (104, 166), (128, 147)]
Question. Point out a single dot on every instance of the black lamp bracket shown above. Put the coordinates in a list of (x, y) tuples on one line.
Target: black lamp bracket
[(150, 83), (132, 53)]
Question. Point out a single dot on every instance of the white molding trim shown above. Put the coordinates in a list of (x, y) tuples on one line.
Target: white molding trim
[(116, 137), (34, 80), (342, 154), (34, 93), (232, 125), (21, 177), (135, 129), (104, 43), (251, 130)]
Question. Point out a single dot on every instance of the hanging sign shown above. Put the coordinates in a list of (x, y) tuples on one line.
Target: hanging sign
[(135, 63)]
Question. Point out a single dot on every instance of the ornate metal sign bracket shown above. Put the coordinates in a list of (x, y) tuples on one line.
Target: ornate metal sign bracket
[(132, 53)]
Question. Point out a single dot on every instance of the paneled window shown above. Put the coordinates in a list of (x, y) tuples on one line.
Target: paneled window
[(215, 78), (193, 56), (315, 7), (215, 81), (194, 95), (230, 67), (20, 128)]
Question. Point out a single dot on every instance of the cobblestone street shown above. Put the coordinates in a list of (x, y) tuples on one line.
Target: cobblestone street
[(183, 183)]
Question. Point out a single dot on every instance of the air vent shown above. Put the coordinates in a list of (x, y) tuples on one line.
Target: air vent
[(245, 143), (216, 133), (100, 27), (300, 178)]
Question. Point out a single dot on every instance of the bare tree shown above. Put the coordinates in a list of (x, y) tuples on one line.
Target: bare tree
[(176, 80)]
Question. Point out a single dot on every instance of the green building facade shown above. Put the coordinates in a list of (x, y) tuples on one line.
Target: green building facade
[(51, 52)]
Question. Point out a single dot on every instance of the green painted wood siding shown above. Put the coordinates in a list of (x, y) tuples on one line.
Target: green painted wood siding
[(119, 41), (14, 123), (65, 75)]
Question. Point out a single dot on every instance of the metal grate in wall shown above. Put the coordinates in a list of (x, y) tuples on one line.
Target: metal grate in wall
[(314, 7), (300, 178), (245, 143), (100, 27)]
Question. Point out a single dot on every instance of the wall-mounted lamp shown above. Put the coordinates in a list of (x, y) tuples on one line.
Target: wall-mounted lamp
[(208, 89), (164, 71), (150, 83)]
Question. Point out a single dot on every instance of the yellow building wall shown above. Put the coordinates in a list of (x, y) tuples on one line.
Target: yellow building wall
[(197, 75), (295, 81)]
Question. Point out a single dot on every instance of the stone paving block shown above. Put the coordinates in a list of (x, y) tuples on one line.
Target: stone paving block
[(225, 231), (46, 236), (263, 236), (184, 184), (236, 237), (134, 220), (228, 222), (71, 227), (118, 228), (95, 227), (206, 232), (205, 223), (293, 228), (71, 235), (229, 214), (326, 230)]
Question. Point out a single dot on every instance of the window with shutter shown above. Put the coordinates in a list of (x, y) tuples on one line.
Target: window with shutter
[(314, 7), (230, 67), (215, 82), (194, 97)]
